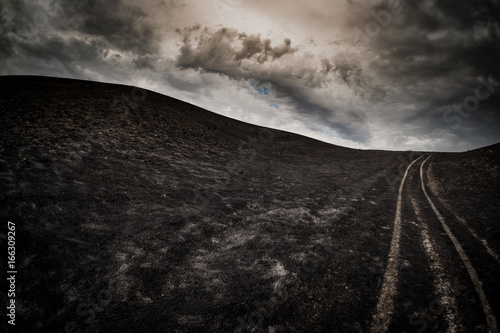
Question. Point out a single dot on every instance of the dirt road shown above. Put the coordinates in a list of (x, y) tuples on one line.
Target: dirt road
[(452, 266)]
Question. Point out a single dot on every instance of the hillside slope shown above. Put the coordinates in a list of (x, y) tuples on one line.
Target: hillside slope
[(138, 212)]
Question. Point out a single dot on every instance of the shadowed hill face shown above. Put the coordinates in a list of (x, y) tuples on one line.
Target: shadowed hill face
[(90, 105), (488, 149), (169, 217)]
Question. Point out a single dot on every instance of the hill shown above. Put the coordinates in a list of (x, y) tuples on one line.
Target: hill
[(135, 211)]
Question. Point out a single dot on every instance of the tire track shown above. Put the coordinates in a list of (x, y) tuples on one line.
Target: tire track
[(385, 305), (442, 285), (490, 317), (479, 239)]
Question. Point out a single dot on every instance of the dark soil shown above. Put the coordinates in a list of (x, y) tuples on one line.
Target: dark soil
[(136, 212)]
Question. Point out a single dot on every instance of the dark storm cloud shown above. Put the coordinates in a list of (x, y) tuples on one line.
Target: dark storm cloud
[(251, 46), (347, 123), (10, 21), (430, 56), (215, 50), (145, 62), (248, 57), (122, 26), (76, 32), (427, 41), (65, 50)]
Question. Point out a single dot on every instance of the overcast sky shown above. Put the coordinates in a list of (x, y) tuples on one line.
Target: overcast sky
[(420, 75)]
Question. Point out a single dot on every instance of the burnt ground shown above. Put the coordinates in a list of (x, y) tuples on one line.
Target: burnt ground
[(138, 212)]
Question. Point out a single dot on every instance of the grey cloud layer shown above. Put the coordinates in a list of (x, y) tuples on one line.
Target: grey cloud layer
[(75, 32), (215, 50), (434, 51), (407, 76), (249, 57)]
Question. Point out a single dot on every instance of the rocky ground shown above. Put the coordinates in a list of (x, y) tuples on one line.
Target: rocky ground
[(138, 212)]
